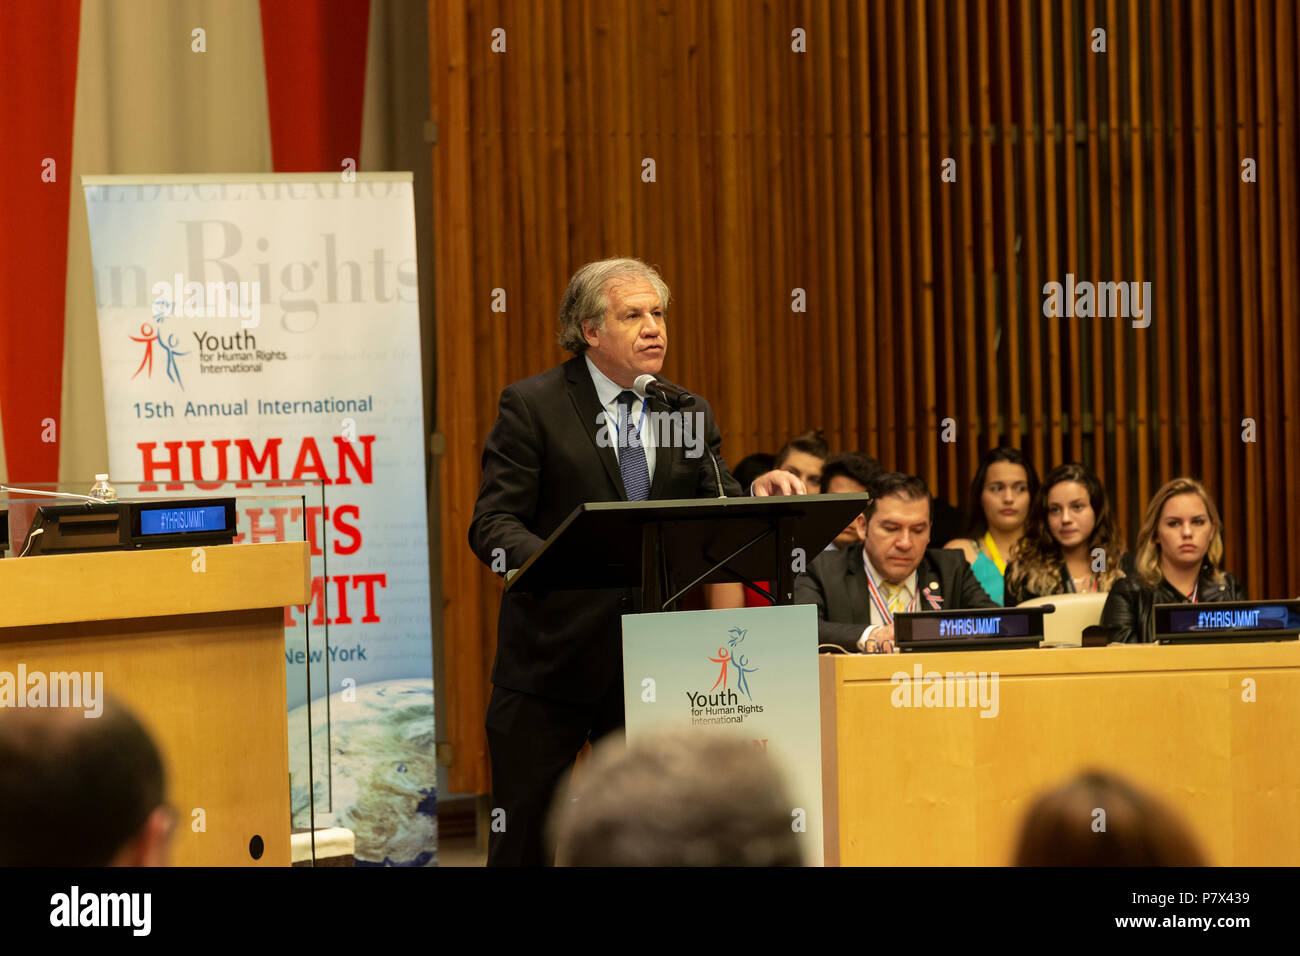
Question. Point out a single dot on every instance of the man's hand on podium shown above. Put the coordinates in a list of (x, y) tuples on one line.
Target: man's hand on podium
[(777, 483)]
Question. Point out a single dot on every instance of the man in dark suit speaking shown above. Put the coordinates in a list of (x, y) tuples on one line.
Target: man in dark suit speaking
[(574, 434), (858, 591)]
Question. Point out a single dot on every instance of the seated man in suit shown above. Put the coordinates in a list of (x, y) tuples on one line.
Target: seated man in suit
[(858, 590)]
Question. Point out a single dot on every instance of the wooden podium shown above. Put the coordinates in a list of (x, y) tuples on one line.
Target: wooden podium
[(1212, 729), (196, 650)]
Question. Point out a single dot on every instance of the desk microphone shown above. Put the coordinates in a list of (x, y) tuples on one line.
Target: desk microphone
[(33, 535), (54, 494)]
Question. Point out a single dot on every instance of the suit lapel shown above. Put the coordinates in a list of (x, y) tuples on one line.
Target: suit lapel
[(855, 582), (586, 405), (926, 575)]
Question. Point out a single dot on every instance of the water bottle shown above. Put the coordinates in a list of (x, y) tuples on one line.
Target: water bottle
[(103, 490)]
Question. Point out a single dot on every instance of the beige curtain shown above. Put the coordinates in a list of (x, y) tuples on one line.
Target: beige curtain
[(147, 103)]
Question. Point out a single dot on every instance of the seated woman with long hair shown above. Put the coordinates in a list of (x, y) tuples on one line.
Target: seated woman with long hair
[(1178, 560), (1070, 522), (999, 506)]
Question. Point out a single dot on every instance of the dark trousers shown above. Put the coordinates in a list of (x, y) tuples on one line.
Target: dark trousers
[(532, 742)]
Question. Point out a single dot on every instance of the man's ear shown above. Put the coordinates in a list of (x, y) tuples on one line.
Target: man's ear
[(590, 334), (860, 526), (149, 847)]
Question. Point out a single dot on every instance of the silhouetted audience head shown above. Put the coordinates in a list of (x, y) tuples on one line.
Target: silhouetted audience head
[(1100, 819), (751, 466), (681, 799), (803, 456), (78, 791)]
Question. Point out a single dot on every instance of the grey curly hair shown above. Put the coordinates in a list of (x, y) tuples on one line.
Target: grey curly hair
[(585, 299)]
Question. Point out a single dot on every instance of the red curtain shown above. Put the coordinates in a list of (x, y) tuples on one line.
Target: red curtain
[(38, 50), (315, 53)]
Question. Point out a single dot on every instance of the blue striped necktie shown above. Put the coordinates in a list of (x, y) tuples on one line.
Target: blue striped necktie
[(631, 455)]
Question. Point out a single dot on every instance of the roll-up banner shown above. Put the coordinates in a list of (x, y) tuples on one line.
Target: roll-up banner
[(265, 328)]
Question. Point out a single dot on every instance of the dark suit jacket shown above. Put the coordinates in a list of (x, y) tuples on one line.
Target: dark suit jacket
[(836, 582), (1128, 606), (540, 461)]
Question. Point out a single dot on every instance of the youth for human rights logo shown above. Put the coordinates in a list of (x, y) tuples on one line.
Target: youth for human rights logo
[(167, 342), (721, 703), (731, 659)]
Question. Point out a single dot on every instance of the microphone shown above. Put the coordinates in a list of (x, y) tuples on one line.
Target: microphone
[(676, 398), (33, 535), (54, 494), (647, 386)]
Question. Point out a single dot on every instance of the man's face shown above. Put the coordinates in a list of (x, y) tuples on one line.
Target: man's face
[(857, 528), (897, 536), (807, 467), (634, 339)]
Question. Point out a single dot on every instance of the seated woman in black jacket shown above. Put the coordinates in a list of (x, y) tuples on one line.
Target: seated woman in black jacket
[(1178, 553)]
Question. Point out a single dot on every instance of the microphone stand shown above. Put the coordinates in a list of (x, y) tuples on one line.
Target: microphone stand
[(54, 494)]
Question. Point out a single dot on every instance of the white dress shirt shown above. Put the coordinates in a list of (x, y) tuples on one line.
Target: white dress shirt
[(909, 589), (607, 391)]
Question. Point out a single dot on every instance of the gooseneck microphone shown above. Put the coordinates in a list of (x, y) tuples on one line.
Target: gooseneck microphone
[(67, 495), (647, 386), (676, 398)]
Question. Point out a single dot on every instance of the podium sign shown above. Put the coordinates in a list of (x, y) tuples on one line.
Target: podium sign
[(750, 672)]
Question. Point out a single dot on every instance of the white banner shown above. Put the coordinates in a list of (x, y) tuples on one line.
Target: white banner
[(267, 327)]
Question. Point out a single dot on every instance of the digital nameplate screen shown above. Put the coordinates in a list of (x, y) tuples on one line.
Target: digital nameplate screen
[(1220, 618), (977, 625), (183, 519)]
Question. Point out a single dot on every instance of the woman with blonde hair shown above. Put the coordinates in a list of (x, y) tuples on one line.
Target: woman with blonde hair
[(1070, 521), (1179, 560)]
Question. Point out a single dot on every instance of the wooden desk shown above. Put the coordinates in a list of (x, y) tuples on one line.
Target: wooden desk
[(944, 786), (198, 656)]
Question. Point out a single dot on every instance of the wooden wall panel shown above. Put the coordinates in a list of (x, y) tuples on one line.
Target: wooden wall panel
[(821, 171)]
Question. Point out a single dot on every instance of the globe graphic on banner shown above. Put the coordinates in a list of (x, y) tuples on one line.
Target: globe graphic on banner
[(383, 768)]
